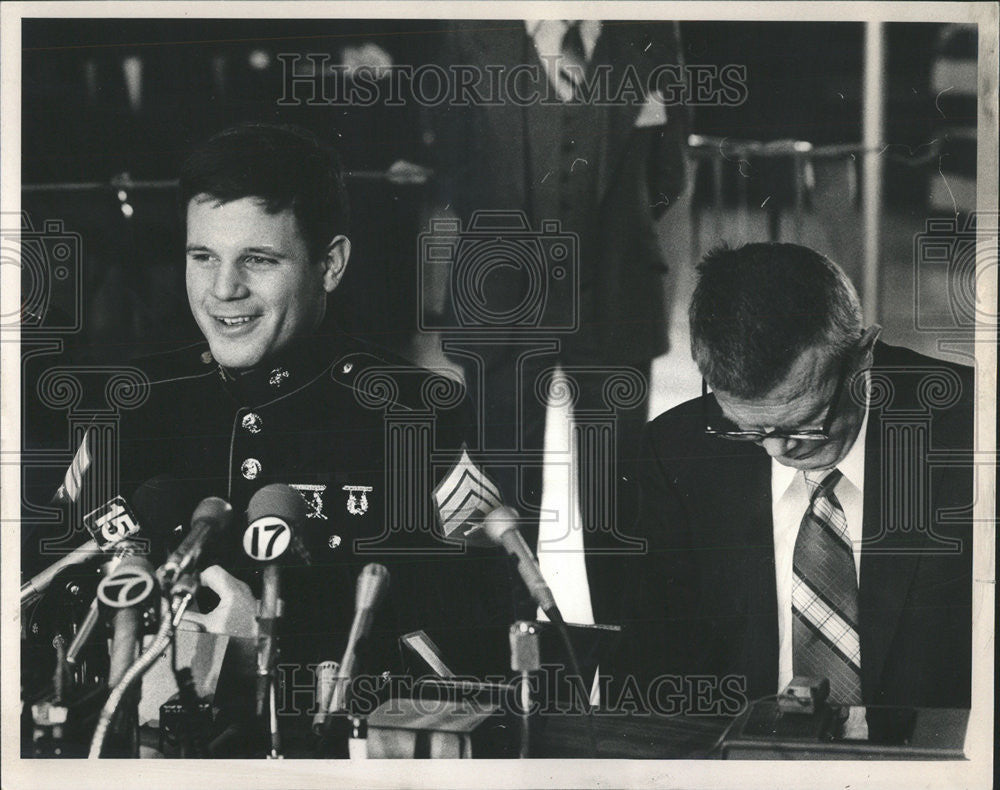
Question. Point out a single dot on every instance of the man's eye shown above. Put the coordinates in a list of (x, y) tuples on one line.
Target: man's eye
[(259, 260), (200, 257)]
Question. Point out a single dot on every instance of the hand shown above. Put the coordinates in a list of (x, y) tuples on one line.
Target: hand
[(236, 614), (403, 172), (368, 56)]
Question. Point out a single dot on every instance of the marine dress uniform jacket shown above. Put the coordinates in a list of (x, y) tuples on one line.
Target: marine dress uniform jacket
[(380, 450)]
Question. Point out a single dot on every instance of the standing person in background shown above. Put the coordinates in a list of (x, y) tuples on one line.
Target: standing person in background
[(606, 171)]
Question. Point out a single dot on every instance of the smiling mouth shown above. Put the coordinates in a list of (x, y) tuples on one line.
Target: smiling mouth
[(237, 321)]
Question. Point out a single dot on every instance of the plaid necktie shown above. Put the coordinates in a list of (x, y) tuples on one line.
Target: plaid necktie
[(573, 60), (825, 594)]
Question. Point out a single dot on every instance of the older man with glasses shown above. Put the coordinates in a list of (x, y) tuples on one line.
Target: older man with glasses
[(824, 539)]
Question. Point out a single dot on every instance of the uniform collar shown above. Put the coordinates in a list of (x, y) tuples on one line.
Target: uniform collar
[(285, 372)]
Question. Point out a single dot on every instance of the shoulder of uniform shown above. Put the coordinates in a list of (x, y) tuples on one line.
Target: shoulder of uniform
[(184, 362), (381, 378)]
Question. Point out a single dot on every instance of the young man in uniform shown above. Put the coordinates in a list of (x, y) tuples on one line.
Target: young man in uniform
[(381, 452)]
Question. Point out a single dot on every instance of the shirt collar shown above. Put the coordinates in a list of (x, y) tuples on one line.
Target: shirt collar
[(853, 464), (590, 31)]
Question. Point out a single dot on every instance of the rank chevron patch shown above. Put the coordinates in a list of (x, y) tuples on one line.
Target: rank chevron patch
[(464, 496), (72, 483)]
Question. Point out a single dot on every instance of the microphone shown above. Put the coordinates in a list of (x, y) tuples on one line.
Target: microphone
[(160, 507), (274, 515), (156, 504), (128, 581), (373, 581), (34, 588), (211, 518), (500, 526)]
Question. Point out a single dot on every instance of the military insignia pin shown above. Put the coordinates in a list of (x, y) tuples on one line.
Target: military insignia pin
[(357, 506), (313, 495)]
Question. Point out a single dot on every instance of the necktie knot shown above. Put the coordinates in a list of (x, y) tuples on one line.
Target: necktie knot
[(821, 482), (572, 47)]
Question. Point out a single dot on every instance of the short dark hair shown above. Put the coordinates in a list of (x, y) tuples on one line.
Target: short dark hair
[(285, 166), (756, 308)]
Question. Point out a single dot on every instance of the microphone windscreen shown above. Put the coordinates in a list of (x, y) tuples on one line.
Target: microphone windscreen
[(278, 500), (498, 522), (214, 510), (372, 584)]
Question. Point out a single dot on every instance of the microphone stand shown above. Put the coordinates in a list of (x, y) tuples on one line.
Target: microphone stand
[(525, 658), (270, 611), (84, 632), (124, 645)]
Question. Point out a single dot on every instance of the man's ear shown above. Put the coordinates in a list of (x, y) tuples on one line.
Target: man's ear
[(334, 262), (866, 345)]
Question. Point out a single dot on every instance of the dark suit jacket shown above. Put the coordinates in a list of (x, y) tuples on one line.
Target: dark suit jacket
[(483, 164), (704, 596)]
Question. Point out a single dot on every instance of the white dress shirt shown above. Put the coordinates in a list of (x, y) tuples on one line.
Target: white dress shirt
[(789, 500), (547, 34)]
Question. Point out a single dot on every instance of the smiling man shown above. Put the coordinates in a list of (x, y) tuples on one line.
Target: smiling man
[(260, 266), (251, 279), (376, 447), (795, 520)]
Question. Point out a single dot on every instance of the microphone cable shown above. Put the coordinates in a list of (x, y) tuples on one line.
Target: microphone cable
[(555, 616), (133, 673)]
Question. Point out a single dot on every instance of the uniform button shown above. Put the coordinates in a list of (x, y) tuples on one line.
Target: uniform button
[(277, 377), (348, 367), (334, 541), (252, 422), (206, 358), (250, 468)]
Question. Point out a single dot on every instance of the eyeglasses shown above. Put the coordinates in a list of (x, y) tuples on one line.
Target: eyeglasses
[(726, 430)]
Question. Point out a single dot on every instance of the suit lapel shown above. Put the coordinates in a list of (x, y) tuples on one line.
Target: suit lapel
[(738, 512), (891, 547), (613, 49), (761, 596)]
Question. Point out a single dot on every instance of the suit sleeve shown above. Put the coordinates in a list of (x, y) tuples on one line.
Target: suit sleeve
[(661, 595), (667, 160)]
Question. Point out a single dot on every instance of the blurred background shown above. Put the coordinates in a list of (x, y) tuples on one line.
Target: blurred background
[(110, 107)]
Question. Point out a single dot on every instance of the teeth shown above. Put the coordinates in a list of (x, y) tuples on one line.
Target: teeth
[(235, 321)]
